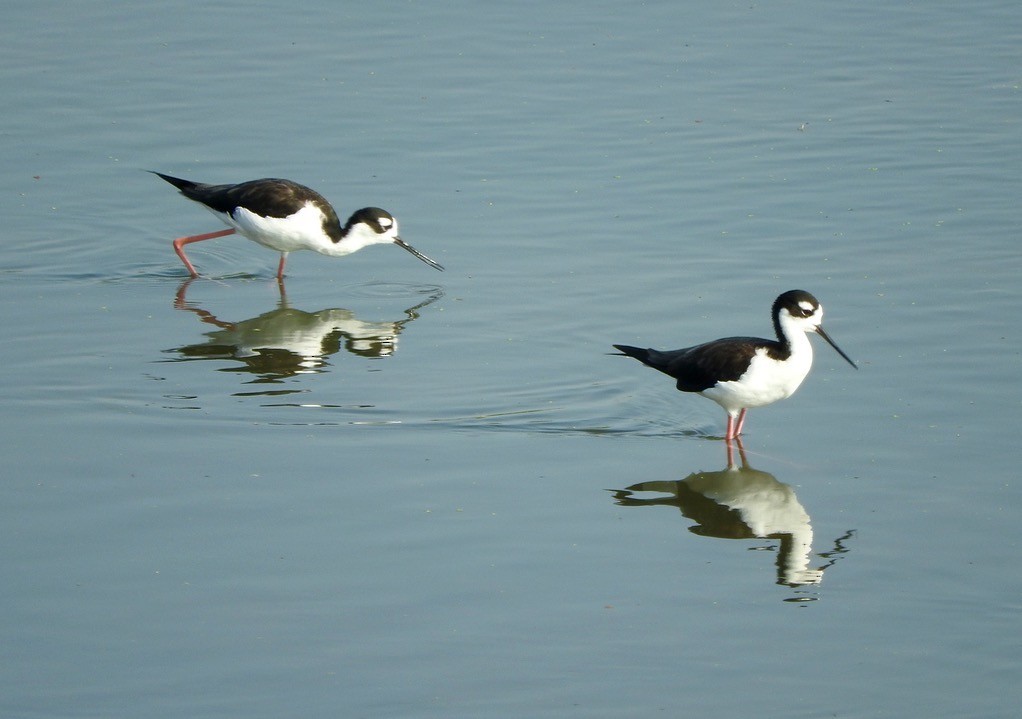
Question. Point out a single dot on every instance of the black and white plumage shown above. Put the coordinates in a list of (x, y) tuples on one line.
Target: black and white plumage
[(743, 372), (285, 216)]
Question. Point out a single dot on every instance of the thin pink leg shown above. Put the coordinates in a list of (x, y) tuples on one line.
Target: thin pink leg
[(280, 267), (741, 423), (728, 433), (180, 242)]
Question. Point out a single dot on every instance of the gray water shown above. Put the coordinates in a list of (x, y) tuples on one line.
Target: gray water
[(383, 491)]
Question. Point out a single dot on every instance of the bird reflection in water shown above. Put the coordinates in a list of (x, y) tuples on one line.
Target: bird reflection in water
[(285, 341), (739, 502)]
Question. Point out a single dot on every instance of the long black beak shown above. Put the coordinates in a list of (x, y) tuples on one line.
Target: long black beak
[(824, 335), (432, 263)]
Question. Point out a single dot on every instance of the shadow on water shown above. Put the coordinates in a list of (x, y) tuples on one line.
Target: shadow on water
[(287, 341), (739, 502)]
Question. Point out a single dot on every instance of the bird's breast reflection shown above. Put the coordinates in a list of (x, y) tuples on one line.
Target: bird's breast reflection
[(287, 341), (739, 502)]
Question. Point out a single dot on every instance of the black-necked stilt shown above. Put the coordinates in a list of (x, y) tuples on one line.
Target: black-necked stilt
[(742, 372), (285, 217)]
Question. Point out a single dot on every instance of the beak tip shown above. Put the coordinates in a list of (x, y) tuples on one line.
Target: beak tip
[(404, 245), (820, 331)]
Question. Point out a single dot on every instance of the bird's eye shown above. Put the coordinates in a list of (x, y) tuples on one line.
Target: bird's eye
[(806, 309)]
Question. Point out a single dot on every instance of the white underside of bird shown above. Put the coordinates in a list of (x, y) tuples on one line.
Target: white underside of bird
[(302, 230), (767, 380)]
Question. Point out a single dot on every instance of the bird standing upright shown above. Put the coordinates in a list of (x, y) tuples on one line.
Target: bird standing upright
[(743, 372), (285, 216)]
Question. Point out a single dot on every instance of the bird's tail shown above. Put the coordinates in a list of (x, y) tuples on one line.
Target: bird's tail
[(628, 351), (183, 185)]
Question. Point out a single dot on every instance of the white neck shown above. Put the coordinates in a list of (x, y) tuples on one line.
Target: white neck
[(359, 236), (794, 331)]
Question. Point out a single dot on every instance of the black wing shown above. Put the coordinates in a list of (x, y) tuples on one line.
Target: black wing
[(269, 197), (701, 367)]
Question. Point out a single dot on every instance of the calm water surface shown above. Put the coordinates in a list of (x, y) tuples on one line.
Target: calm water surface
[(383, 491)]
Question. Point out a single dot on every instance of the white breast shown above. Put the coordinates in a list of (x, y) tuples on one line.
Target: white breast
[(301, 231), (766, 381)]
